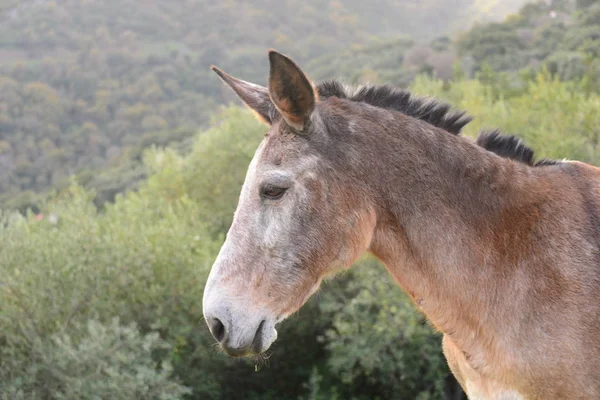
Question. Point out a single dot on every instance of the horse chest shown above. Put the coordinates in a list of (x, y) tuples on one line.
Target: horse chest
[(477, 385), (488, 390)]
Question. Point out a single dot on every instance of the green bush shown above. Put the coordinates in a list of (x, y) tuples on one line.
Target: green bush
[(93, 361), (567, 65), (145, 260), (378, 342)]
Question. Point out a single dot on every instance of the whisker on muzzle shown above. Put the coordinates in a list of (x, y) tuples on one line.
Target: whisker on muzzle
[(218, 348)]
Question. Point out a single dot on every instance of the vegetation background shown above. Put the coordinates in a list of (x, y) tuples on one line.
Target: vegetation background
[(120, 167)]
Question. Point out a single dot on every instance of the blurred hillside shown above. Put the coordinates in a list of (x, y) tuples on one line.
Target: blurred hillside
[(562, 35), (86, 85)]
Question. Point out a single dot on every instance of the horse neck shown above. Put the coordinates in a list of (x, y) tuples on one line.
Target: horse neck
[(440, 202)]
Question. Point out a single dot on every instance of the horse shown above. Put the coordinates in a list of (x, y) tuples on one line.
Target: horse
[(500, 252)]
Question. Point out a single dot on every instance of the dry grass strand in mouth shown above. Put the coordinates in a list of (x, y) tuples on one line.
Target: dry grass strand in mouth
[(261, 360)]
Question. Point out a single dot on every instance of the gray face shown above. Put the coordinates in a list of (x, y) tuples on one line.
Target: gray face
[(296, 222)]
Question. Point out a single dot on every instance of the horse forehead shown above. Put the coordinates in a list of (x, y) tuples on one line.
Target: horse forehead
[(284, 158)]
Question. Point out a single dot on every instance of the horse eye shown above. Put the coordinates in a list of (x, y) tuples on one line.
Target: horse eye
[(272, 192)]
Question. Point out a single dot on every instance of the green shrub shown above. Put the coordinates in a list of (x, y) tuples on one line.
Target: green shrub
[(93, 361), (145, 260), (378, 342)]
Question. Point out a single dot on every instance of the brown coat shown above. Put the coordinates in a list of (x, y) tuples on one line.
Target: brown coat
[(500, 254)]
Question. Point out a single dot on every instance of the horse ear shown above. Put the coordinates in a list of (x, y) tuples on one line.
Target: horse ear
[(256, 97), (291, 91)]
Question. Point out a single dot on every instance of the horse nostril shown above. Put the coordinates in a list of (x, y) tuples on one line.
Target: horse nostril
[(217, 329)]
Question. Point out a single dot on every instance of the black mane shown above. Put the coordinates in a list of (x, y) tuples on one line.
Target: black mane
[(505, 146), (509, 146), (436, 113)]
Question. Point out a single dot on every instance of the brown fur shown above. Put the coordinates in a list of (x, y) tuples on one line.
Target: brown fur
[(501, 256)]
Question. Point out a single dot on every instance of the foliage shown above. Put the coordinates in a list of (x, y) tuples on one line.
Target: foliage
[(94, 361), (144, 260), (378, 343), (215, 168), (557, 119), (395, 61), (559, 34), (85, 86)]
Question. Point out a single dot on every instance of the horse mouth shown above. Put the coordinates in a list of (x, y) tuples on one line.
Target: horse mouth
[(264, 338)]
